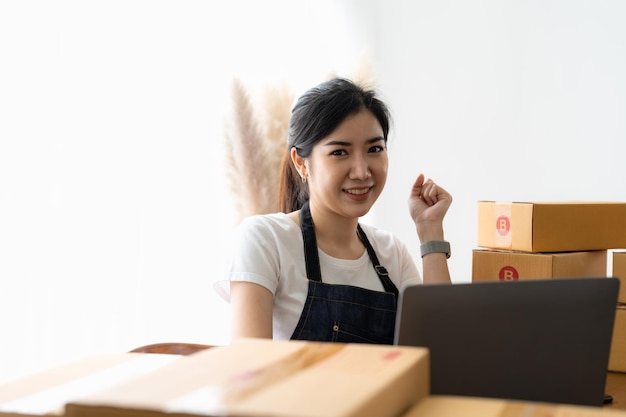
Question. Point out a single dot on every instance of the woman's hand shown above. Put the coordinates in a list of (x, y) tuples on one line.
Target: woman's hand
[(428, 205)]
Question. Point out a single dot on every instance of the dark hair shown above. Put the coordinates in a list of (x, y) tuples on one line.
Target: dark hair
[(317, 113)]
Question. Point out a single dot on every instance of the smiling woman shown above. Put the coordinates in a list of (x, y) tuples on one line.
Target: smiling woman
[(313, 271), (115, 211)]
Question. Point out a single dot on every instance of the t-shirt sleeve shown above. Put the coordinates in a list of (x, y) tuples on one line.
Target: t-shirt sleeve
[(410, 275), (254, 257)]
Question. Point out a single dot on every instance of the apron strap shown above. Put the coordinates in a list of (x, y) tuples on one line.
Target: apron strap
[(382, 272), (311, 256)]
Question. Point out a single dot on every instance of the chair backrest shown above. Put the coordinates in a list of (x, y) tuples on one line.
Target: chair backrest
[(172, 348)]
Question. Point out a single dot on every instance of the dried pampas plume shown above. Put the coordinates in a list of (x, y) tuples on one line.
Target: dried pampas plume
[(278, 101), (362, 74), (254, 147), (244, 162)]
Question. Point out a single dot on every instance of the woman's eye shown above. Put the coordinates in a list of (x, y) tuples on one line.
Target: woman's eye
[(339, 152), (377, 148)]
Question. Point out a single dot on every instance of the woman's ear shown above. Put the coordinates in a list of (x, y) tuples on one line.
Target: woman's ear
[(299, 162)]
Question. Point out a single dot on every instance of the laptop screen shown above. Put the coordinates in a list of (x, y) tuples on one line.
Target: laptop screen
[(535, 340)]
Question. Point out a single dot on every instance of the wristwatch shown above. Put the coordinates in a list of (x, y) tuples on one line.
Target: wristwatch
[(436, 246)]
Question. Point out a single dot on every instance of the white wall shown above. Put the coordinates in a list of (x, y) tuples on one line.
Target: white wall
[(111, 225), (503, 100), (114, 219)]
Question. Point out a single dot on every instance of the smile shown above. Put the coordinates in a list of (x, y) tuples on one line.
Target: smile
[(357, 191)]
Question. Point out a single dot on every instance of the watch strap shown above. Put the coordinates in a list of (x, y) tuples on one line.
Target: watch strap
[(436, 246)]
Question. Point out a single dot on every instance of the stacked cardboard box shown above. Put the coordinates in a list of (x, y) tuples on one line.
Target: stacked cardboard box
[(47, 392), (617, 359), (493, 265), (455, 406), (546, 240), (619, 271)]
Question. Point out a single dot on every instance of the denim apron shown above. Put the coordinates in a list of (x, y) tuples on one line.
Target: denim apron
[(344, 313)]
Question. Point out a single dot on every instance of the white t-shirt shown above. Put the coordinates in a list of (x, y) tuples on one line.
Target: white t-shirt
[(269, 251)]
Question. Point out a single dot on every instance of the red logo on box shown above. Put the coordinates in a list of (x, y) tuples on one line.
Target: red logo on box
[(508, 273), (503, 225)]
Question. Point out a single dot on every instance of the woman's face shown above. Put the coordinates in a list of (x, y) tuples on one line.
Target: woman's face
[(347, 170)]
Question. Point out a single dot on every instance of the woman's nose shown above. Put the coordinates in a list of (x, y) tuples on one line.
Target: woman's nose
[(360, 169)]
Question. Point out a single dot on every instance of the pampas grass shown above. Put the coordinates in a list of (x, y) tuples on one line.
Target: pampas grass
[(244, 160), (255, 142), (277, 104)]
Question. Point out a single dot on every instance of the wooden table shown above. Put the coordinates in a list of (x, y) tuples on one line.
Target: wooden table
[(616, 387)]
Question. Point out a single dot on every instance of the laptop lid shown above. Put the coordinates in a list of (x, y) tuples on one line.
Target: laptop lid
[(535, 340)]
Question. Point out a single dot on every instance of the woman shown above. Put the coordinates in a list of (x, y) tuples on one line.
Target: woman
[(312, 272)]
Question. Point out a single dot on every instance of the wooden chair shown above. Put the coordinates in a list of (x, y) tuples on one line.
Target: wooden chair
[(173, 348)]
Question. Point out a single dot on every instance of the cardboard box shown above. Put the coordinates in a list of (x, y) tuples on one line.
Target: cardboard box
[(257, 377), (617, 357), (552, 227), (494, 265), (46, 393), (619, 271), (454, 406)]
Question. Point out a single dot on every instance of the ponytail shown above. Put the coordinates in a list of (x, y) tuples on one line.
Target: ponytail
[(292, 191)]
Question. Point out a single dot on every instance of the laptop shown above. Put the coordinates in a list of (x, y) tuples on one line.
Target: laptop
[(544, 340)]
